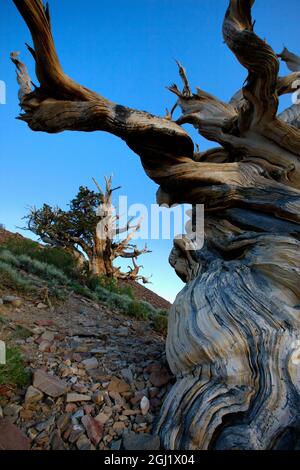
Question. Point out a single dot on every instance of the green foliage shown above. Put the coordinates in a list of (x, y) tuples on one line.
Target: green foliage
[(34, 266), (11, 278), (160, 323), (68, 228), (109, 283), (14, 372), (121, 302), (137, 310), (22, 246), (54, 256), (84, 291), (44, 270)]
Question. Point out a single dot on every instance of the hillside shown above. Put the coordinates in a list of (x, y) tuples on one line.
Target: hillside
[(85, 368), (140, 291)]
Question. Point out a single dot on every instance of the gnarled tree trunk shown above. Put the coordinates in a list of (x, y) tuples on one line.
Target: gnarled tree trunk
[(233, 339)]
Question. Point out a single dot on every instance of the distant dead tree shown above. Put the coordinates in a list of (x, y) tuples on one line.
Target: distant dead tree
[(88, 230)]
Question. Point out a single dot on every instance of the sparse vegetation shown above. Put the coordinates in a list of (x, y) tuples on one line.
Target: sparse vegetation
[(14, 372), (53, 256), (27, 273)]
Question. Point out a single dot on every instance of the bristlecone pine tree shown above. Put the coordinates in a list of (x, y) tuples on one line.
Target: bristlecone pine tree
[(233, 337), (88, 230)]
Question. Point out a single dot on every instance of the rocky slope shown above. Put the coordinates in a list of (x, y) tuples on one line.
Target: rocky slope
[(97, 379)]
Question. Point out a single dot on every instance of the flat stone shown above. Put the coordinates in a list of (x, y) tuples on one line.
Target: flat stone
[(93, 428), (33, 395), (116, 445), (132, 441), (49, 384), (11, 438), (127, 375), (76, 432), (63, 422), (145, 405), (83, 443), (90, 363), (48, 336), (56, 442), (102, 418), (118, 385), (75, 397), (44, 346), (41, 306), (118, 426), (13, 300), (44, 322)]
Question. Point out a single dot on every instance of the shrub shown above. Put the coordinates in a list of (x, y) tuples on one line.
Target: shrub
[(44, 270), (54, 256), (137, 310), (109, 283), (84, 291), (14, 372), (160, 323), (9, 258), (118, 301), (11, 278)]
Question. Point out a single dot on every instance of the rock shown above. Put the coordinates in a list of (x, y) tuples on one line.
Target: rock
[(118, 385), (98, 397), (1, 301), (33, 395), (93, 428), (131, 412), (76, 432), (145, 405), (127, 375), (119, 426), (45, 425), (153, 392), (83, 443), (90, 363), (13, 300), (102, 418), (44, 346), (56, 442), (63, 422), (133, 441), (41, 306), (75, 397), (160, 377), (116, 445), (138, 396), (70, 408), (11, 438), (49, 384), (116, 398), (48, 336), (77, 415), (44, 322)]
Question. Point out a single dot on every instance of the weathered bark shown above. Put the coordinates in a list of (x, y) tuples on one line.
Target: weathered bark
[(234, 329)]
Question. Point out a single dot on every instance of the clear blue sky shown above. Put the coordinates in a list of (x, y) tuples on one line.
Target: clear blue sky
[(124, 49)]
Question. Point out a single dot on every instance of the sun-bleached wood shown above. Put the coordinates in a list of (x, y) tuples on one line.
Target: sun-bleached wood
[(233, 339)]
